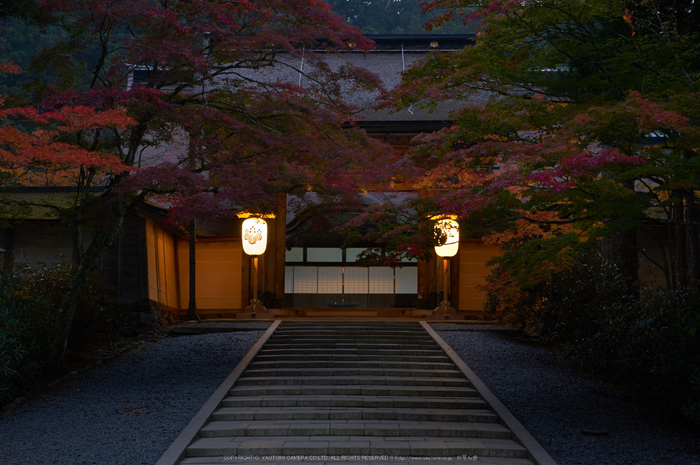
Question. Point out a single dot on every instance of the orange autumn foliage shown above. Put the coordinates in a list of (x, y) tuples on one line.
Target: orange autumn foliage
[(60, 144)]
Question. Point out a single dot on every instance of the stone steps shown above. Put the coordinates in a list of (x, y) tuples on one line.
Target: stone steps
[(375, 338), (266, 365), (353, 391), (341, 380), (287, 357), (359, 460), (376, 352), (378, 342), (374, 428), (355, 401), (356, 371), (345, 413), (354, 445)]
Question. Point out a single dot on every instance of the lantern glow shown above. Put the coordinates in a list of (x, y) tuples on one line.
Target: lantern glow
[(447, 232), (254, 235)]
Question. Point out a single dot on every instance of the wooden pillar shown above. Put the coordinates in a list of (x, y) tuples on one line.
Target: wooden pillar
[(273, 262), (143, 258), (454, 279), (192, 304), (427, 282), (266, 283), (439, 279), (246, 274), (280, 257), (428, 272)]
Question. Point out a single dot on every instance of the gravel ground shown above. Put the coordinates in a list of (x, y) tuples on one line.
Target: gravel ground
[(579, 421), (128, 411)]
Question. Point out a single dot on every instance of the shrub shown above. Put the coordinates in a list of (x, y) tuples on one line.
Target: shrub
[(644, 338), (30, 342), (97, 311)]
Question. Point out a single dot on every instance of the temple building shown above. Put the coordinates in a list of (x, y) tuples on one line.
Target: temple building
[(301, 273)]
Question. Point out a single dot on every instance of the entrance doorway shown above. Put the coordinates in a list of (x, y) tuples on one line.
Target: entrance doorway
[(325, 277)]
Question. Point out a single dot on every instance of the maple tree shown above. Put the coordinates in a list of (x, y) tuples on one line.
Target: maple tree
[(218, 84), (589, 135)]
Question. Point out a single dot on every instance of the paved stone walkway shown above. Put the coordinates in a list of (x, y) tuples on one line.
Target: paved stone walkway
[(354, 392)]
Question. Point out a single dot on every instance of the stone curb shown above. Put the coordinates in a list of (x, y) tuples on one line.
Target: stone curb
[(178, 449), (188, 330)]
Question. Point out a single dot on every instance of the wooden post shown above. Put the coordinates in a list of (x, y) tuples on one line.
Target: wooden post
[(280, 256), (192, 307), (455, 270), (254, 302)]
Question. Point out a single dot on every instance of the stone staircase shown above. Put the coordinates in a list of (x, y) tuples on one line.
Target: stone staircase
[(381, 392)]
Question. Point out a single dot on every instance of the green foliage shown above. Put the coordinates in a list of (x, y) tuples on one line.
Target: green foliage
[(650, 344), (20, 43), (97, 311), (576, 114), (30, 340)]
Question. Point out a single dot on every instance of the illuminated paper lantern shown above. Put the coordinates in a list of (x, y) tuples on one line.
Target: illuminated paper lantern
[(254, 236), (447, 232)]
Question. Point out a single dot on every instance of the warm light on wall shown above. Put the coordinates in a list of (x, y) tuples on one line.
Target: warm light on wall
[(447, 232), (254, 235)]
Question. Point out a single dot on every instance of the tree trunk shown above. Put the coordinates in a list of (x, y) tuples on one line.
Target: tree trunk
[(87, 264), (693, 246), (680, 242), (620, 250)]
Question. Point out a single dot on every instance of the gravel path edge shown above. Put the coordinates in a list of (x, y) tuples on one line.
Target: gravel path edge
[(178, 449), (535, 451)]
